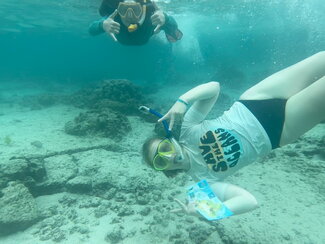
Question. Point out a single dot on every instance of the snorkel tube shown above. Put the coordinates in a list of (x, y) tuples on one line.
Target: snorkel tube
[(147, 110), (169, 135)]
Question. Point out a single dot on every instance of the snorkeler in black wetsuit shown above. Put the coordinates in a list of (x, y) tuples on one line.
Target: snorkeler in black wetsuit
[(134, 22)]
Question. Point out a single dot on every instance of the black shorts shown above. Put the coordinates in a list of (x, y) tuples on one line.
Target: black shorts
[(271, 114)]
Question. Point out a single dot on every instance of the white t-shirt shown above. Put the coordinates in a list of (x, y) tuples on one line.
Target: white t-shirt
[(219, 147)]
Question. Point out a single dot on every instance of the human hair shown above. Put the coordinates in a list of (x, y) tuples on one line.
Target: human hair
[(146, 147)]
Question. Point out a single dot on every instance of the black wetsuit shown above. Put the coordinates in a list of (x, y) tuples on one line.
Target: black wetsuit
[(143, 33)]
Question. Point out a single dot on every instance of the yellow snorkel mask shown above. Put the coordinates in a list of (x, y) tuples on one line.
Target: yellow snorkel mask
[(168, 150), (132, 14), (165, 153)]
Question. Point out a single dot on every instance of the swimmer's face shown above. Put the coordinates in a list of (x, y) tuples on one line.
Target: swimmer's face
[(130, 12), (162, 154)]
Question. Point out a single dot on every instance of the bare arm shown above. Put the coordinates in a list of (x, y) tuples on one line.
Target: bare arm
[(237, 199), (203, 97)]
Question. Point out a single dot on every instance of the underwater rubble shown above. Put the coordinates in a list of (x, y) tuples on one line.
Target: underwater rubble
[(104, 122), (120, 95), (105, 106), (78, 186)]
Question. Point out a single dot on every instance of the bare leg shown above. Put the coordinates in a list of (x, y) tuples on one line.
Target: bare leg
[(303, 111), (289, 81)]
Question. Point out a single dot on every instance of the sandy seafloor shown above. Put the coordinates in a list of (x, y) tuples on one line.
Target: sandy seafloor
[(289, 186)]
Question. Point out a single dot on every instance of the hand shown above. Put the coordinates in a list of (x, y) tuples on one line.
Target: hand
[(158, 19), (110, 26), (176, 112), (189, 208)]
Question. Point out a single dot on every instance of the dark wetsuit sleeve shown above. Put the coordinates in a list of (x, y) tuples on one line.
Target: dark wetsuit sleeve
[(106, 8), (96, 27), (171, 28)]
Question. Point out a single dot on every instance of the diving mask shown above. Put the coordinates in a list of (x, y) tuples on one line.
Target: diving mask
[(132, 14), (168, 151)]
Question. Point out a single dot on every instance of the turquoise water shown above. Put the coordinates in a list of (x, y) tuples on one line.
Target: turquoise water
[(63, 185), (44, 39)]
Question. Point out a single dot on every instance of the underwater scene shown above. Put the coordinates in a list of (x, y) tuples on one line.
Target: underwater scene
[(76, 165)]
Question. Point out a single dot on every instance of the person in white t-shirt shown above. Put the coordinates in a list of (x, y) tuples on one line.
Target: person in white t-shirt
[(273, 113)]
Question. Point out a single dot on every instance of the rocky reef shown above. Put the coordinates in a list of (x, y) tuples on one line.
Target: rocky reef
[(119, 95), (99, 122), (80, 181), (108, 104)]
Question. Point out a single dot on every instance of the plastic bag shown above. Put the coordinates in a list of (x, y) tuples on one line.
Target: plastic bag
[(206, 202)]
